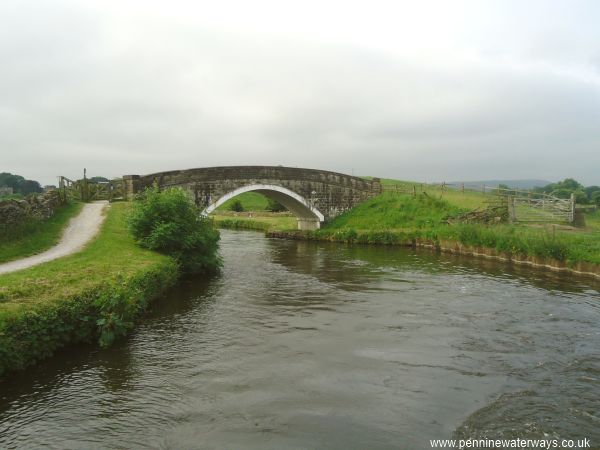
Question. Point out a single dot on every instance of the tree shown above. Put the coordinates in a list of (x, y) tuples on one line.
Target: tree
[(236, 205), (99, 180), (19, 184), (275, 206), (590, 191), (30, 187), (169, 222), (12, 181)]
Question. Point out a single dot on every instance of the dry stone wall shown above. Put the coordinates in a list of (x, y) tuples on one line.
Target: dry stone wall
[(35, 207)]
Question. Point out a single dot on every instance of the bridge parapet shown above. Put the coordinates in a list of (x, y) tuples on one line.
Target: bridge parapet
[(329, 193)]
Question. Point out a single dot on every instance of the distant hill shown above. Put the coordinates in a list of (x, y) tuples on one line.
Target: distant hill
[(517, 184)]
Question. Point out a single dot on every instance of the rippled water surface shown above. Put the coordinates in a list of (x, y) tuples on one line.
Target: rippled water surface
[(311, 345)]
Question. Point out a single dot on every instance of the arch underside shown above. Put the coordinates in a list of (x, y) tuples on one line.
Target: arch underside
[(309, 217)]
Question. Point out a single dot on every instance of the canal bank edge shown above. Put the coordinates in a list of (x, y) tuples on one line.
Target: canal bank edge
[(96, 294), (581, 268)]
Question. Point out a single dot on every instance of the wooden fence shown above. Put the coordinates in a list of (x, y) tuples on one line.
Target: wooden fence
[(86, 190)]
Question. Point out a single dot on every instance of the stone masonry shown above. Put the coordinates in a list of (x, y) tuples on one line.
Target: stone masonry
[(328, 192), (36, 207)]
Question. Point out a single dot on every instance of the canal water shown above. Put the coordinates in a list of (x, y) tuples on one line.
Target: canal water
[(306, 345)]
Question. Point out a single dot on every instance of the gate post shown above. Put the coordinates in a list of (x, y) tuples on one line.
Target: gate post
[(131, 186), (512, 214)]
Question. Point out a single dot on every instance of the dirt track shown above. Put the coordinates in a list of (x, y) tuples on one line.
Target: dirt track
[(79, 232)]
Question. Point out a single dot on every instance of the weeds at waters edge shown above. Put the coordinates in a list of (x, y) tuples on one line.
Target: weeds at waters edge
[(393, 219)]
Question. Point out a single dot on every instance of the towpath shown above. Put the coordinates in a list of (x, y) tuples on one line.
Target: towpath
[(79, 232)]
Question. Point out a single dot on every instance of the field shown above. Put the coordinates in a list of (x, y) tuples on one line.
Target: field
[(251, 201), (264, 221)]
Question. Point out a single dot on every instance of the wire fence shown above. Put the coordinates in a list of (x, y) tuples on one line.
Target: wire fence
[(522, 205)]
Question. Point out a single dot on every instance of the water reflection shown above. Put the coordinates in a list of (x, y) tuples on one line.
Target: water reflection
[(315, 345), (339, 263)]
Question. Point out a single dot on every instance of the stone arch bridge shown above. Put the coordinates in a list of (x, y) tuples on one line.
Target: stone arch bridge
[(314, 196)]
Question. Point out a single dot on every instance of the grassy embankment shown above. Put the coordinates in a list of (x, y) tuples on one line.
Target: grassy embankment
[(401, 219), (404, 219), (95, 294), (35, 236), (251, 201)]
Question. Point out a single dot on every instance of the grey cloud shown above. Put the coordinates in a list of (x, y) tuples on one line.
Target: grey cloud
[(79, 91)]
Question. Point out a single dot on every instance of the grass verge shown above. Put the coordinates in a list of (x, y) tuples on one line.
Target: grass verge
[(95, 294), (259, 222), (395, 219), (35, 236), (251, 201)]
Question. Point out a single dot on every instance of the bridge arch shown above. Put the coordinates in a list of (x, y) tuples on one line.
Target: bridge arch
[(309, 217), (312, 195)]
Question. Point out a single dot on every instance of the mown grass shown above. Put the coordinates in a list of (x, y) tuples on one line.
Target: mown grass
[(35, 236), (96, 293), (257, 222), (251, 201), (112, 254)]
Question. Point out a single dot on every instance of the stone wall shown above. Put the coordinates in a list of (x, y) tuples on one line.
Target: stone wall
[(36, 207), (330, 192)]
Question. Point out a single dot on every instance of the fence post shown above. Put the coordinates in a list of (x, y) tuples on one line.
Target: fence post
[(414, 191), (572, 214), (512, 213)]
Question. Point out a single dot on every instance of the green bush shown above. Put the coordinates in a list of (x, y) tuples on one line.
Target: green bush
[(275, 206), (236, 206), (169, 222)]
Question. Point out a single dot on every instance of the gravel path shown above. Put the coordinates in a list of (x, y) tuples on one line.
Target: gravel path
[(79, 232)]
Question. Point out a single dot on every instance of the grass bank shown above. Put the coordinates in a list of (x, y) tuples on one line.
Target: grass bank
[(260, 222), (95, 294), (36, 236), (394, 219), (251, 201)]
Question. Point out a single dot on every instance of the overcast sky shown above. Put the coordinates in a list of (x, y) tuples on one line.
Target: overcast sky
[(420, 90)]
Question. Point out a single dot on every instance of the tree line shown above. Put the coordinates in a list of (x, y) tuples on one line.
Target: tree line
[(19, 184), (586, 195)]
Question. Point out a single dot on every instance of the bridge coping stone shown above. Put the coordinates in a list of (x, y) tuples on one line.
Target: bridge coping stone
[(329, 192)]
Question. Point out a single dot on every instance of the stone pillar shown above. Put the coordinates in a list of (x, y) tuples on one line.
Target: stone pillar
[(308, 224), (131, 186), (376, 184)]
